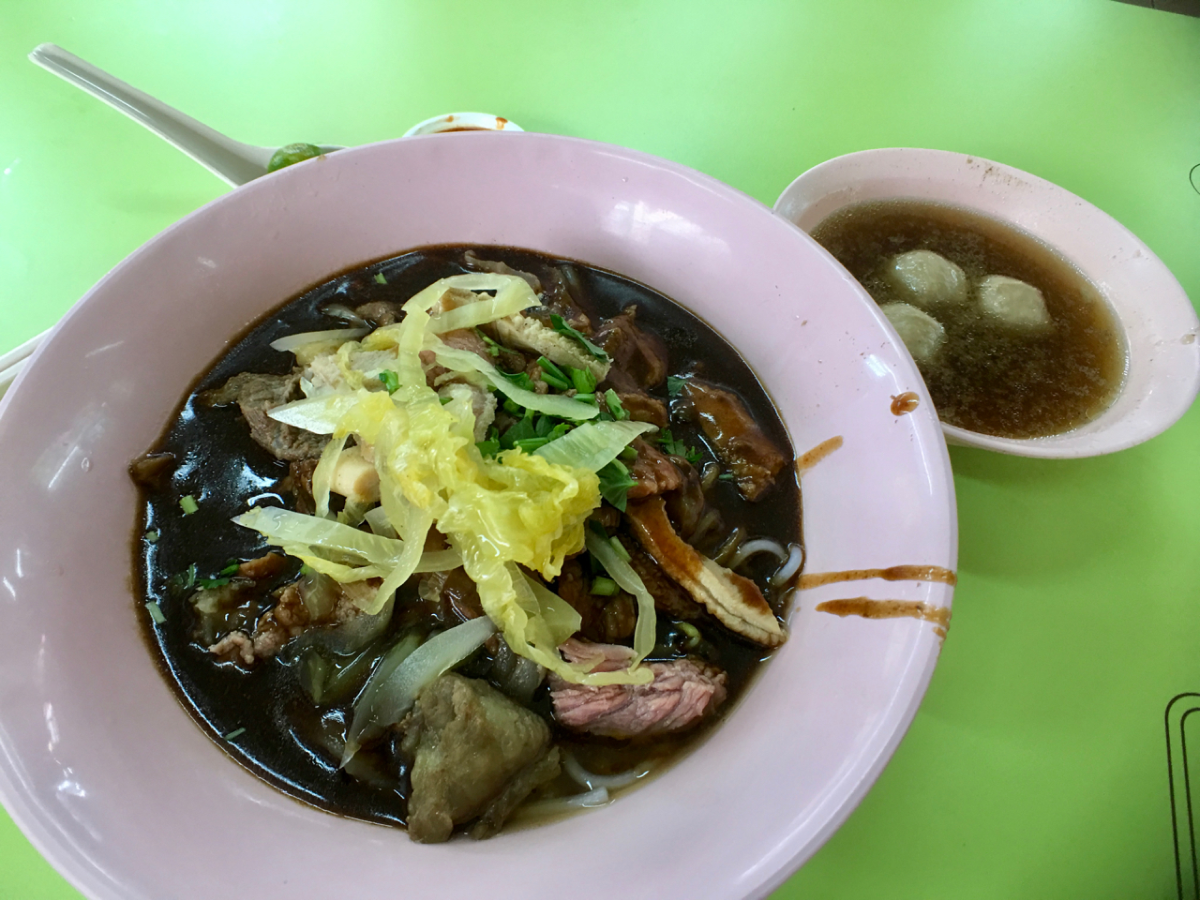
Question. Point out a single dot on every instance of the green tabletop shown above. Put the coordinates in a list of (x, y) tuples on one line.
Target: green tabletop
[(1037, 766)]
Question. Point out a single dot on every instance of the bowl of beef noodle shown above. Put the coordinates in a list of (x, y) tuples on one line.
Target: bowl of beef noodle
[(453, 508), (1042, 326)]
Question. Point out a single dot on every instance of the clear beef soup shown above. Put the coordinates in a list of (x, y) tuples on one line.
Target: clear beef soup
[(466, 537)]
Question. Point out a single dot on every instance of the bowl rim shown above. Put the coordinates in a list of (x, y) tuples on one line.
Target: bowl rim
[(1166, 351)]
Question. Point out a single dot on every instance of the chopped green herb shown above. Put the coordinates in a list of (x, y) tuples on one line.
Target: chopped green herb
[(151, 536), (522, 431), (185, 580), (563, 328), (188, 504), (615, 484), (614, 405), (726, 476), (235, 734), (597, 528), (231, 567), (553, 375), (604, 587), (693, 634), (390, 381), (628, 454), (209, 583), (492, 347), (619, 548), (379, 279), (586, 398), (520, 379), (510, 406), (673, 447), (490, 447), (583, 380), (446, 400), (156, 613), (675, 385), (528, 445)]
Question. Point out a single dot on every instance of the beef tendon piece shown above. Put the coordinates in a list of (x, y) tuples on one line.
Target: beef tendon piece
[(736, 602), (735, 436), (256, 395), (682, 693), (476, 754)]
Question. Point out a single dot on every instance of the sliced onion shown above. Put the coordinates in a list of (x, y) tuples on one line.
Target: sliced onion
[(338, 335), (592, 781), (791, 566), (392, 690), (753, 548)]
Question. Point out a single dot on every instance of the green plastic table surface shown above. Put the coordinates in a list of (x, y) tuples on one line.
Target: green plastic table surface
[(1037, 765)]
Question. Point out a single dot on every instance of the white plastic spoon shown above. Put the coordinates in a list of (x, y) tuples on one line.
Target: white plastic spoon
[(230, 160)]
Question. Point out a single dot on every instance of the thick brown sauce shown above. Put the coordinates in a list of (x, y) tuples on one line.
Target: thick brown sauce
[(902, 404), (894, 573), (818, 453), (988, 377), (280, 735), (890, 609)]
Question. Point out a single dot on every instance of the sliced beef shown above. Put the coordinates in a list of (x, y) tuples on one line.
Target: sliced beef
[(736, 601), (334, 607), (152, 470), (381, 312), (474, 263), (256, 395), (644, 408), (653, 472), (668, 595), (298, 483), (687, 505), (476, 755), (682, 693), (735, 436), (638, 354)]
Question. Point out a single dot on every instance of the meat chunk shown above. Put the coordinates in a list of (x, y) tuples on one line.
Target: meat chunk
[(653, 472), (736, 437), (476, 754), (736, 601), (682, 693), (380, 312), (636, 354), (152, 470), (644, 408), (668, 595), (256, 396)]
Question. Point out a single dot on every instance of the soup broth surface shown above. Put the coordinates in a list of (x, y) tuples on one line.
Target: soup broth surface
[(989, 377)]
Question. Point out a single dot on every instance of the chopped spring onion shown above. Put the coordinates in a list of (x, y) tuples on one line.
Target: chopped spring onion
[(604, 587), (152, 536), (553, 375), (628, 455), (390, 381), (619, 548), (582, 379), (614, 405), (559, 325), (188, 504), (629, 580), (235, 734), (156, 613), (336, 336), (693, 634), (379, 279)]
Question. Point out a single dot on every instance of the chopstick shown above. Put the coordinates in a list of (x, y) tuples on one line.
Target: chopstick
[(12, 362)]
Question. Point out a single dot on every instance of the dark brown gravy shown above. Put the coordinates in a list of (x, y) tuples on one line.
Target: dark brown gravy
[(894, 573), (818, 453), (903, 404), (988, 377), (890, 609)]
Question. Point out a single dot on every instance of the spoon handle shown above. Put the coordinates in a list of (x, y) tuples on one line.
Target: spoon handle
[(226, 158)]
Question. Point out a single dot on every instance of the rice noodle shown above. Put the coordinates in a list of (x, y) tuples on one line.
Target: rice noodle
[(756, 546), (594, 782), (598, 797), (791, 566), (706, 524)]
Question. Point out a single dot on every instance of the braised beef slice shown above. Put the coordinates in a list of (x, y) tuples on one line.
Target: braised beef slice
[(475, 754), (653, 472), (686, 505), (644, 408), (152, 470), (380, 312), (639, 357), (682, 693), (735, 437), (256, 395)]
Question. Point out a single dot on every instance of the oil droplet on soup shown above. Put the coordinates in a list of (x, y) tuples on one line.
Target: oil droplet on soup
[(987, 375)]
